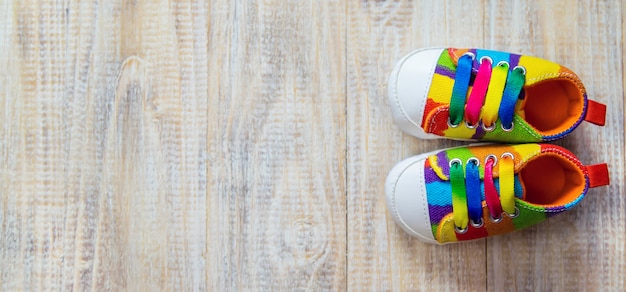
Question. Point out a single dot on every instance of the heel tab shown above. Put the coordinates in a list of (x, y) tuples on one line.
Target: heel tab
[(596, 113), (598, 175)]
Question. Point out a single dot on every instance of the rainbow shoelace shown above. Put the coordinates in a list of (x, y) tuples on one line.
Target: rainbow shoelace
[(466, 191), (494, 93)]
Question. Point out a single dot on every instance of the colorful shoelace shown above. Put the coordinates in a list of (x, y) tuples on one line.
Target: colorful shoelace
[(466, 191), (495, 91)]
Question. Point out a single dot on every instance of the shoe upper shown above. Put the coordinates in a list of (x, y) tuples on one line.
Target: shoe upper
[(435, 93), (531, 182)]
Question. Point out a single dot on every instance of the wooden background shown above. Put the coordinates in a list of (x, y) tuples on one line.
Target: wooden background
[(193, 145)]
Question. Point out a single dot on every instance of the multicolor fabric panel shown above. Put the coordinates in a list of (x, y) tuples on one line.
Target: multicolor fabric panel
[(437, 107), (438, 189)]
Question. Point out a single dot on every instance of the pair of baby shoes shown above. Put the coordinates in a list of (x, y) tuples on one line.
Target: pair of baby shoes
[(475, 191)]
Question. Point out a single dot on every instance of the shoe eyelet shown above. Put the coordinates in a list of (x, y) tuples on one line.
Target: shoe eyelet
[(460, 230), (488, 129), (496, 220), (469, 54), (514, 215), (455, 161), (470, 126), (507, 129), (486, 58), (492, 157), (451, 125), (503, 64), (474, 160), (522, 68), (507, 154), (478, 224)]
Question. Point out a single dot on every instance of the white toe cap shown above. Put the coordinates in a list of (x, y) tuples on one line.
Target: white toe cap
[(408, 90), (406, 197)]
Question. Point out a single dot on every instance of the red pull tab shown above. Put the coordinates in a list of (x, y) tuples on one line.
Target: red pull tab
[(596, 113), (598, 175)]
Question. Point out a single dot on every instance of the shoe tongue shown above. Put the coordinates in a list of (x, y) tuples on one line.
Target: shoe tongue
[(519, 188), (455, 54), (519, 105)]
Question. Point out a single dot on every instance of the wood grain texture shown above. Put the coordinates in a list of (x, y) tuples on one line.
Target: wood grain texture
[(195, 145), (276, 195), (176, 145)]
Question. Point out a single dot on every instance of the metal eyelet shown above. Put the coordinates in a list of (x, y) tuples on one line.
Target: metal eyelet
[(478, 224), (488, 129), (460, 230), (486, 58), (507, 154), (474, 160), (503, 63), (514, 215), (492, 157), (507, 129), (520, 67), (496, 220), (469, 54), (451, 125), (469, 126), (456, 160)]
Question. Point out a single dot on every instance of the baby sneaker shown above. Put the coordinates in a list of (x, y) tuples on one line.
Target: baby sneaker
[(475, 94), (473, 192)]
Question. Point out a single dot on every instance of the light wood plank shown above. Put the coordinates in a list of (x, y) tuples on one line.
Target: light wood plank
[(153, 222), (107, 148), (581, 250), (381, 255), (276, 196)]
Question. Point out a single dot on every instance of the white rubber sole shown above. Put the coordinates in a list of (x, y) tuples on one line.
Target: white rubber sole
[(408, 87)]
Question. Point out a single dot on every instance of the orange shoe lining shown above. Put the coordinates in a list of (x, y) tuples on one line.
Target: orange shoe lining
[(552, 180), (553, 106)]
